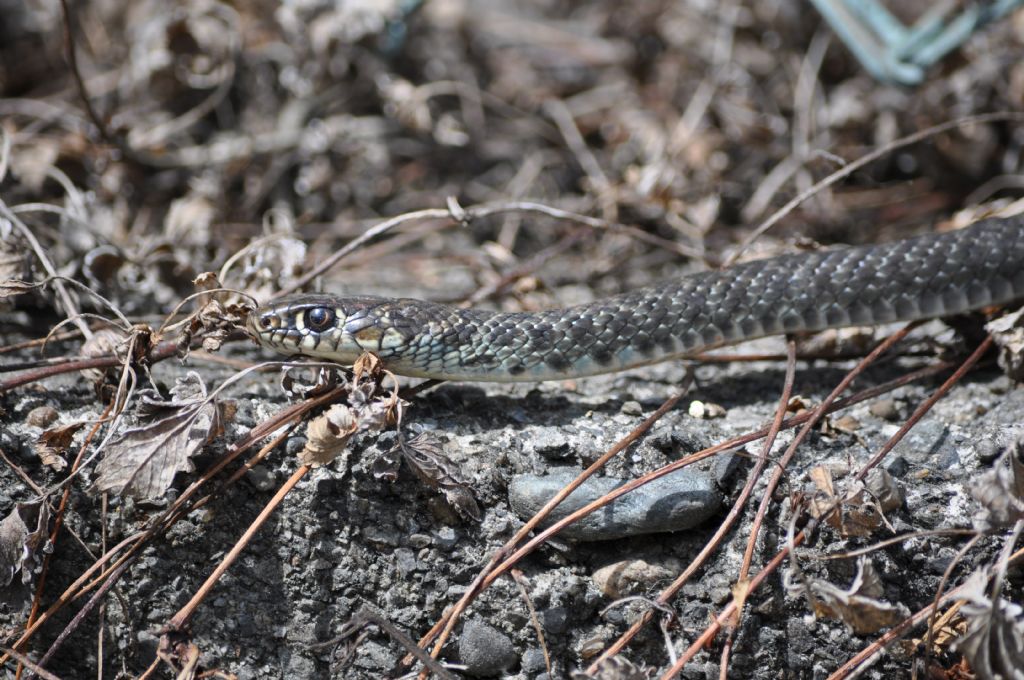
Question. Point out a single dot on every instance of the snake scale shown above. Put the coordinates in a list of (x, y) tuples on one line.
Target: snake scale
[(923, 277)]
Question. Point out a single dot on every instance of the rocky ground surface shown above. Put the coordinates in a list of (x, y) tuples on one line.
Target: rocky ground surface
[(343, 539)]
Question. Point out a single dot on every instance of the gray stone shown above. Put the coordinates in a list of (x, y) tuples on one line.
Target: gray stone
[(554, 620), (550, 443), (485, 650), (533, 662), (929, 444), (680, 500)]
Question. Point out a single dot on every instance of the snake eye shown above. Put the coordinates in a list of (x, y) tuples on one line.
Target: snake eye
[(319, 318)]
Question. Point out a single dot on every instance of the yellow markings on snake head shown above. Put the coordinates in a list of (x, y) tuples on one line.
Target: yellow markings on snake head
[(308, 342), (369, 336), (300, 320), (393, 339)]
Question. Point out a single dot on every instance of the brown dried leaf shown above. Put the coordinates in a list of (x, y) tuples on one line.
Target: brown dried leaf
[(856, 514), (424, 456), (20, 547), (822, 478), (15, 263), (11, 287), (368, 365), (859, 607), (994, 641), (328, 435), (53, 444), (375, 412), (142, 461), (219, 314), (1000, 490)]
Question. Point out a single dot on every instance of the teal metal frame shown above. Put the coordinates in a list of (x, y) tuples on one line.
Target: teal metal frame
[(895, 53)]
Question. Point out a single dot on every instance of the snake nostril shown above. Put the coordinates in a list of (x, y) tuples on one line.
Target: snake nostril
[(269, 320)]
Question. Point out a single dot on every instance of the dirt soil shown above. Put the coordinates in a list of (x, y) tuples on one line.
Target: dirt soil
[(538, 155)]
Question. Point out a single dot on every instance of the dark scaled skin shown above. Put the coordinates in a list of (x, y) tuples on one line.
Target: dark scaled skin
[(918, 278)]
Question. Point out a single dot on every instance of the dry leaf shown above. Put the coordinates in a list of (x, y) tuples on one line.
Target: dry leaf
[(375, 413), (856, 513), (20, 547), (142, 461), (366, 411), (1000, 490), (994, 641), (52, 444), (858, 607), (11, 287), (102, 265), (328, 435), (424, 456), (218, 315)]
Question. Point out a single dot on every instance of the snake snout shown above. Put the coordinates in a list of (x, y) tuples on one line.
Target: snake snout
[(262, 320)]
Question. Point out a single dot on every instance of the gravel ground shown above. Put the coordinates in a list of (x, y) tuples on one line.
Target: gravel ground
[(343, 539)]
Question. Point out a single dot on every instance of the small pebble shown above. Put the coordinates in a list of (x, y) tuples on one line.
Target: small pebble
[(261, 478), (445, 538), (485, 650), (885, 489), (847, 423), (632, 408), (550, 443), (554, 620), (420, 541), (929, 443), (533, 662), (680, 500), (885, 409), (41, 416), (987, 450), (706, 410)]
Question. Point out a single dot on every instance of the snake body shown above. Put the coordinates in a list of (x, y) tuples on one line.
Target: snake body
[(922, 277)]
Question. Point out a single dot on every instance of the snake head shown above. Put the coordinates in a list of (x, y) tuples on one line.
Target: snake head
[(337, 328)]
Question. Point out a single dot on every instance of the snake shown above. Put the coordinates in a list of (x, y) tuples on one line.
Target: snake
[(928, 276)]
